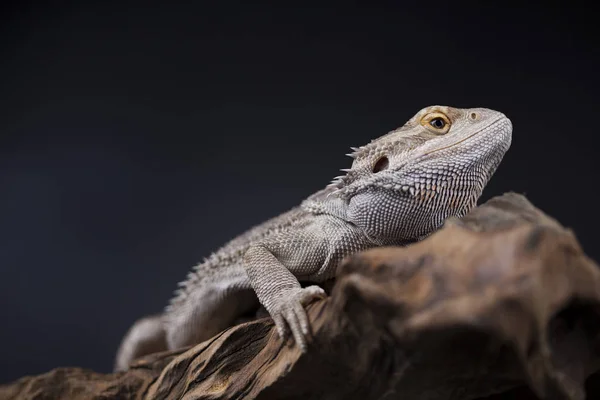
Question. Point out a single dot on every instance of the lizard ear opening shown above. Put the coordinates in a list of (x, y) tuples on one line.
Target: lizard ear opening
[(382, 164)]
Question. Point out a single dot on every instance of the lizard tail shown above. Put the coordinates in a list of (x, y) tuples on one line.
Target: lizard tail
[(146, 336)]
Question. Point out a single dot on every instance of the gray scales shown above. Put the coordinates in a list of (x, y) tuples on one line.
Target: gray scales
[(400, 188)]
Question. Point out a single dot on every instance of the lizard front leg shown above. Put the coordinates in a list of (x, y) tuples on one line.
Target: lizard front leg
[(279, 291)]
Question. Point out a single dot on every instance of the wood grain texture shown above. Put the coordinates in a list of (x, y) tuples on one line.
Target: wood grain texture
[(502, 304)]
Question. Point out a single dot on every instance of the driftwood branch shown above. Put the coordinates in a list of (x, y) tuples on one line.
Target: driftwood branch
[(502, 303)]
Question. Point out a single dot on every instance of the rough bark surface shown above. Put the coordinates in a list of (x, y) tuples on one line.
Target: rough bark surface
[(502, 304)]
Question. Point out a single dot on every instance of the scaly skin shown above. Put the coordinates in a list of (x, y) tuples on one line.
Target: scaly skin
[(400, 188)]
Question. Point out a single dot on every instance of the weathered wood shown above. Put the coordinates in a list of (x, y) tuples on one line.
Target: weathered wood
[(502, 303)]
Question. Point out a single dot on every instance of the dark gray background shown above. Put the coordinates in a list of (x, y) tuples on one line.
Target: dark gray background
[(137, 138)]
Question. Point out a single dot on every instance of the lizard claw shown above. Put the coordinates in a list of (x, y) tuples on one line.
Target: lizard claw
[(289, 314)]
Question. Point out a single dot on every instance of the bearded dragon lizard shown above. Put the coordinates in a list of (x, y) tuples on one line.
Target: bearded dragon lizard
[(400, 188)]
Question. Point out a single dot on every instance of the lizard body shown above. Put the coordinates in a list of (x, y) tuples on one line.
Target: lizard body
[(400, 188)]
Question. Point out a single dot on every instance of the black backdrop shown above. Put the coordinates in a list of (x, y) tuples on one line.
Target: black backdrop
[(136, 138)]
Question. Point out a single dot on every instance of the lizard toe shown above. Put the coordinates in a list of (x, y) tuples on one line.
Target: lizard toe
[(311, 293), (281, 325), (296, 328), (302, 319)]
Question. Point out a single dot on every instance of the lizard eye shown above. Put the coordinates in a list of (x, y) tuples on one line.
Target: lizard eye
[(382, 164), (436, 122)]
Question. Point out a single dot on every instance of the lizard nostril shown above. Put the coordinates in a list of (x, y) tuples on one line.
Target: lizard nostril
[(381, 164), (474, 116)]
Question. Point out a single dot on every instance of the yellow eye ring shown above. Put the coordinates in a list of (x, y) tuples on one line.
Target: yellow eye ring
[(436, 122)]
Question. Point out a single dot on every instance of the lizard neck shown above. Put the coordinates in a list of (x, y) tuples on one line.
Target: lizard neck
[(326, 202)]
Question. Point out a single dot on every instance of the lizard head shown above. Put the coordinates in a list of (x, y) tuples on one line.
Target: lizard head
[(404, 184)]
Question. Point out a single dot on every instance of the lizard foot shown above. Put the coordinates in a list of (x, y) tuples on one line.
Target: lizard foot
[(289, 313)]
